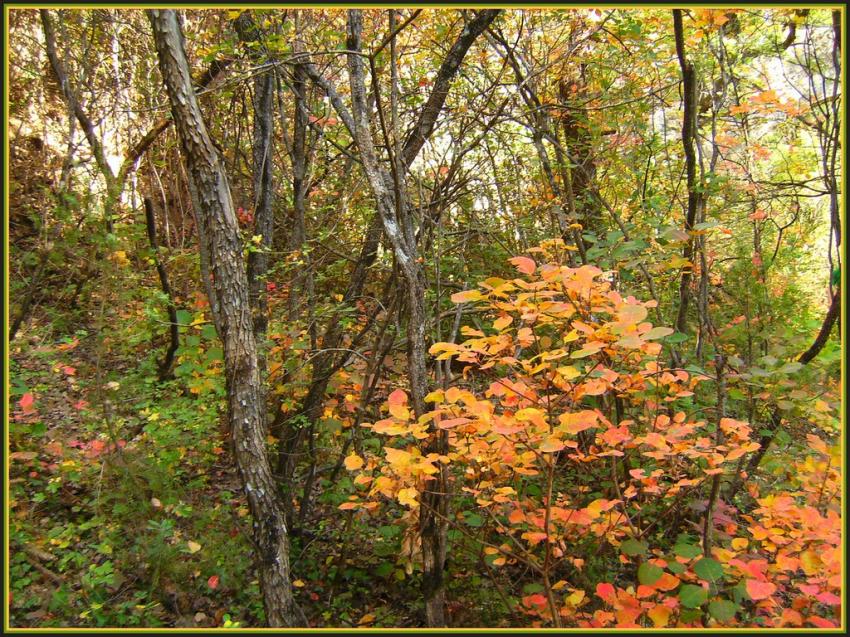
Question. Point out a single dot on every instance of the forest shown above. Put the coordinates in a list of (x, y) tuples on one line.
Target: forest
[(424, 317)]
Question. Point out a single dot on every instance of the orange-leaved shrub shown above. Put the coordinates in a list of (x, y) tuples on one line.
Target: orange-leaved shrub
[(576, 454)]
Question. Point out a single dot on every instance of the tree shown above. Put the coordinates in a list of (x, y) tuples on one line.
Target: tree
[(228, 287)]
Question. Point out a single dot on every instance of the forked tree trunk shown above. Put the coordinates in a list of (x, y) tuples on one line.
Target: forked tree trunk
[(398, 228), (219, 243)]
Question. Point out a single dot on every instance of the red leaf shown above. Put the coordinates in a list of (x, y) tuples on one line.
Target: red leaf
[(26, 402), (96, 447), (820, 622), (534, 600), (69, 371), (212, 582), (828, 598), (80, 405)]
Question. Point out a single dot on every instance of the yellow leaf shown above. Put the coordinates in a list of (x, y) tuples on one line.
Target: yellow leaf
[(298, 583), (568, 372), (574, 423), (194, 547), (368, 618), (353, 462), (398, 458), (659, 616), (466, 296), (407, 497), (575, 598)]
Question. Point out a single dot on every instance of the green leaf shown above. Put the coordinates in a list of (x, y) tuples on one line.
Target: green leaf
[(632, 547), (692, 596), (723, 610), (385, 568), (737, 394), (473, 519), (648, 573), (708, 569), (687, 550), (675, 567)]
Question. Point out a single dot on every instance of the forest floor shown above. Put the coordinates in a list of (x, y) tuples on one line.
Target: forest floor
[(126, 510)]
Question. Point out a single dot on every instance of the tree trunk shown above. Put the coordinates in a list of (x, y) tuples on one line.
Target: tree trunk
[(689, 126), (165, 366), (258, 261), (219, 241)]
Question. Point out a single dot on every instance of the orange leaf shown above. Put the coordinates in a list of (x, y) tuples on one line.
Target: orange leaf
[(667, 582), (605, 590), (524, 264), (760, 590)]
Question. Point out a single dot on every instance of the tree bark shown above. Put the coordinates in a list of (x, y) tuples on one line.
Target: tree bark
[(262, 149), (219, 240), (174, 332), (398, 228), (689, 125)]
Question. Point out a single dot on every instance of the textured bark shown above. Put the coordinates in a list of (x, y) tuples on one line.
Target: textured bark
[(261, 150), (219, 240), (579, 146), (401, 235), (174, 332), (689, 125), (302, 279), (258, 262)]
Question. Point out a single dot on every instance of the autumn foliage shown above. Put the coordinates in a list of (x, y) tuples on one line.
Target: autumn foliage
[(572, 442)]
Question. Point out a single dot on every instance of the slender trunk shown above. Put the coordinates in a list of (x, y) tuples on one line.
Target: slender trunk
[(299, 184), (29, 296), (258, 260), (219, 240), (832, 316), (689, 124), (261, 150), (174, 333)]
